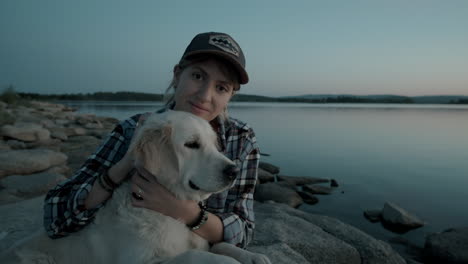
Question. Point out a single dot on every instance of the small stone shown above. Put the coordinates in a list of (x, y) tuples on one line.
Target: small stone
[(333, 183), (308, 198), (373, 215), (399, 220)]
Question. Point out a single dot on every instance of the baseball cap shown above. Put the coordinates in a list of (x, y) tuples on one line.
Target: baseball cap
[(222, 45)]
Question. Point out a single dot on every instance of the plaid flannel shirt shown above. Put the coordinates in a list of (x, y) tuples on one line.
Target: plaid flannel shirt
[(64, 210)]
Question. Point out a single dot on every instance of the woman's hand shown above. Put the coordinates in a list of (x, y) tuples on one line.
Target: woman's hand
[(148, 193)]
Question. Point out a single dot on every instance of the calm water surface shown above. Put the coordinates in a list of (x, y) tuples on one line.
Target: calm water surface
[(413, 155)]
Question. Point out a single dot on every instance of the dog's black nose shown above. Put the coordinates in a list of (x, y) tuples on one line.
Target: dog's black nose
[(230, 171)]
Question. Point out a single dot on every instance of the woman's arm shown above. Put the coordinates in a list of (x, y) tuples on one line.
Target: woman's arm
[(67, 207), (238, 215)]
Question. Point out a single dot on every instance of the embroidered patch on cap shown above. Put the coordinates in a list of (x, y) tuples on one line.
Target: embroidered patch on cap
[(225, 43)]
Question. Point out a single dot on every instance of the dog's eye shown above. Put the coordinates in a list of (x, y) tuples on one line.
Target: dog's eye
[(192, 145)]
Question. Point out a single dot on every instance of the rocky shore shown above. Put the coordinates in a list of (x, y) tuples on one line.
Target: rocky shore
[(42, 144)]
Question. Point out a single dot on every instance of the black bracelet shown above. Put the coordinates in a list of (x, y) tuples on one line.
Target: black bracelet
[(109, 181), (202, 218), (103, 185)]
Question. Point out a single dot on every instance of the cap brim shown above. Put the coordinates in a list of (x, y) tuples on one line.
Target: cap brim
[(244, 77)]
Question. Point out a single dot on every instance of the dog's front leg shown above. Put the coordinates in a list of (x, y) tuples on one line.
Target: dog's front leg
[(241, 255)]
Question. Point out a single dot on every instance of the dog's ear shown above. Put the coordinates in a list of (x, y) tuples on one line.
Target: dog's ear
[(148, 145)]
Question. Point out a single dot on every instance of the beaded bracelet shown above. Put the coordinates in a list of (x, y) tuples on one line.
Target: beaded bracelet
[(201, 219)]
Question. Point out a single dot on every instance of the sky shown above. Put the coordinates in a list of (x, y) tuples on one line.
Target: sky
[(402, 47)]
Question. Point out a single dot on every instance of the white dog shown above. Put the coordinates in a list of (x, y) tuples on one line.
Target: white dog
[(180, 150)]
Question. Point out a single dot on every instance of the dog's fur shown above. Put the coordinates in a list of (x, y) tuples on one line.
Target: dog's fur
[(180, 149)]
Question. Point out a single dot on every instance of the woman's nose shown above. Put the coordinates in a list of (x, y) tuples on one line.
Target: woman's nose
[(204, 93)]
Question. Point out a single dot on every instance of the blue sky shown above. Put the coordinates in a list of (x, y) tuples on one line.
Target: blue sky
[(406, 47)]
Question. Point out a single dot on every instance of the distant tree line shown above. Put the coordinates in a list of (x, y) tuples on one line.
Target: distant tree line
[(459, 101), (135, 96)]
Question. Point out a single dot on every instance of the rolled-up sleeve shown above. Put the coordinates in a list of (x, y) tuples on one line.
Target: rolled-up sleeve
[(64, 205)]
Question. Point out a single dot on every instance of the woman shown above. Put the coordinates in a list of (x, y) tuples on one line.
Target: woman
[(210, 71)]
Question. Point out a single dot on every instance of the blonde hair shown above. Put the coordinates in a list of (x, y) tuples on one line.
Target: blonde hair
[(224, 67)]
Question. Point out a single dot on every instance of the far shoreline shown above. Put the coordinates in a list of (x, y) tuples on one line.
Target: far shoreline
[(311, 99)]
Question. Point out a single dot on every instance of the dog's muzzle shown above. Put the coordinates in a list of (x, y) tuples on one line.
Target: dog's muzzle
[(230, 172)]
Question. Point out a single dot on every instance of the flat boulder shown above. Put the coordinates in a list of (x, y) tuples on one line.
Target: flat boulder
[(265, 176), (20, 220), (450, 246), (28, 161), (278, 193), (28, 132), (28, 186), (269, 167), (398, 219), (317, 189)]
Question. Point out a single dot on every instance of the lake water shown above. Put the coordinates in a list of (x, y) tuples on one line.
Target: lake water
[(413, 155)]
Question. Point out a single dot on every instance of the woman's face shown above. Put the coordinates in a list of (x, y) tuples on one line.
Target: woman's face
[(203, 90)]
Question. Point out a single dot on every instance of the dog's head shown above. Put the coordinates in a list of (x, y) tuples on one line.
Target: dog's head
[(180, 150)]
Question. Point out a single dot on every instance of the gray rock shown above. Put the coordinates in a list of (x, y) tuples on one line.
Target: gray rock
[(28, 161), (450, 246), (94, 125), (394, 215), (84, 119), (20, 220), (301, 180), (47, 123), (59, 134), (333, 183), (62, 122), (28, 186), (265, 176), (280, 253), (373, 215), (28, 132), (16, 144), (275, 192), (269, 167), (307, 239), (61, 169), (47, 107), (78, 149), (307, 233), (75, 131), (4, 145), (317, 189)]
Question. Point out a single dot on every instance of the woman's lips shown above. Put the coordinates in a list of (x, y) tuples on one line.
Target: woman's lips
[(198, 108)]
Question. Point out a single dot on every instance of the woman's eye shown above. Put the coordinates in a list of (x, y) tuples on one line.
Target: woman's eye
[(222, 88), (197, 76), (192, 145)]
